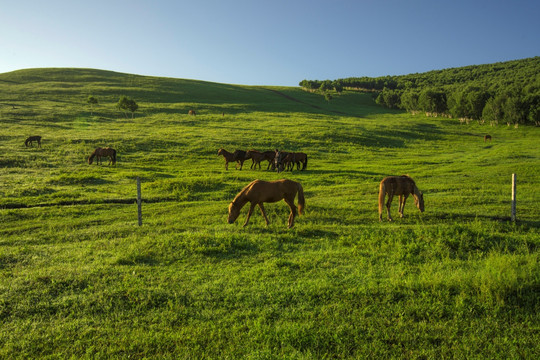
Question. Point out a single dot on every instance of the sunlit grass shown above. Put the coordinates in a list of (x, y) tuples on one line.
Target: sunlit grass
[(83, 280)]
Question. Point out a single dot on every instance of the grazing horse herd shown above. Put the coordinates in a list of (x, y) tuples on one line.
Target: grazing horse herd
[(258, 191), (277, 160)]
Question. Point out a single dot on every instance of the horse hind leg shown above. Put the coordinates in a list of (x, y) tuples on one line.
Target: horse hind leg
[(388, 203), (293, 213)]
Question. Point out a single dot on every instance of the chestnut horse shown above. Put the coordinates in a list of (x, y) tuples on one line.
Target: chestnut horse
[(103, 152), (399, 185), (239, 156), (33, 138), (257, 156), (192, 112), (258, 192)]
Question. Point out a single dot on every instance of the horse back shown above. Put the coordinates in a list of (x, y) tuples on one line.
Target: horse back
[(398, 185), (270, 191)]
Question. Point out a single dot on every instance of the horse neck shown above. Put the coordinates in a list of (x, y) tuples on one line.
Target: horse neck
[(416, 192), (226, 154), (241, 199)]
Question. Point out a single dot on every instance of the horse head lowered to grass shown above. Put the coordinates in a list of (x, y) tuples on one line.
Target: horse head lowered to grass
[(258, 192)]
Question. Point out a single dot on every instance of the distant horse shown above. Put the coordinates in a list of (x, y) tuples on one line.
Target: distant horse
[(239, 156), (28, 142), (487, 137), (103, 152), (257, 156), (191, 112), (297, 159), (399, 185), (258, 192)]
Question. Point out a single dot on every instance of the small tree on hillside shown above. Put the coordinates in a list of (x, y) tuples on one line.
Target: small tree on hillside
[(327, 96), (326, 85), (92, 101), (127, 104)]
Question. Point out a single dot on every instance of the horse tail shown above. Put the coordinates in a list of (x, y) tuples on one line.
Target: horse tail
[(305, 164), (301, 199), (113, 156), (382, 193)]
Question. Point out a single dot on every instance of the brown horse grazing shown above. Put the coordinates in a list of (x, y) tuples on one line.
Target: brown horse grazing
[(487, 137), (239, 156), (257, 156), (192, 112), (399, 185), (103, 152), (258, 192), (28, 142)]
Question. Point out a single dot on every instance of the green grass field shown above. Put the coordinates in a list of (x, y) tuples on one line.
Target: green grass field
[(80, 279)]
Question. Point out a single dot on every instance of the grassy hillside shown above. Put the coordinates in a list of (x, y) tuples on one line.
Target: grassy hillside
[(84, 281)]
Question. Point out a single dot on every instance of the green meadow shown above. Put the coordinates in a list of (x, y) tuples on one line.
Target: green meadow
[(80, 279)]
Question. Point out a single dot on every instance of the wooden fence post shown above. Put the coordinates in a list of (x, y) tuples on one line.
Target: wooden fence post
[(513, 197), (139, 200)]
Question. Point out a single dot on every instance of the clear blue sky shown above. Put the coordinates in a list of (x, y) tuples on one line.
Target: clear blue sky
[(266, 42)]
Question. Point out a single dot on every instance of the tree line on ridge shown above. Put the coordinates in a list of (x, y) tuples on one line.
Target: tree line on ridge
[(507, 92)]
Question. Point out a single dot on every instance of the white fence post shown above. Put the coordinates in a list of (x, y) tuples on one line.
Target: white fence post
[(139, 200), (513, 197)]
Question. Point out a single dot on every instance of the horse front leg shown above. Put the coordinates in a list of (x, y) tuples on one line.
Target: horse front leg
[(402, 205), (249, 213), (263, 212)]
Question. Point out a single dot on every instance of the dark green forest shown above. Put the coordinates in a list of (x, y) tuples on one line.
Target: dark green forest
[(504, 92)]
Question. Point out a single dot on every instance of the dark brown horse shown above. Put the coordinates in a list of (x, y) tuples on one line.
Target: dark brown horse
[(487, 137), (258, 192), (399, 185), (28, 142), (298, 159), (257, 156), (103, 152), (287, 160), (239, 156)]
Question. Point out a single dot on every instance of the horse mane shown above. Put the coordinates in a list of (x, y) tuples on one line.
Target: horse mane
[(242, 192)]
